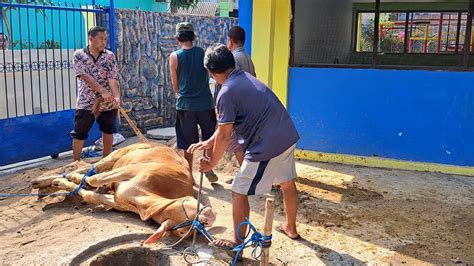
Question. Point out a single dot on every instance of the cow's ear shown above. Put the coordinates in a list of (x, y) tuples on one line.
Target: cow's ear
[(158, 233)]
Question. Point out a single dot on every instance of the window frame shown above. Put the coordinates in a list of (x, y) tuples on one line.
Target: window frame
[(460, 13), (375, 64)]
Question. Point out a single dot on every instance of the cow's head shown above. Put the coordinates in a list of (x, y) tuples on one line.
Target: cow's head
[(207, 217)]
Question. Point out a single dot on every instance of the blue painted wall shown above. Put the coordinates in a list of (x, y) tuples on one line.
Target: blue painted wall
[(424, 116), (39, 135), (245, 21)]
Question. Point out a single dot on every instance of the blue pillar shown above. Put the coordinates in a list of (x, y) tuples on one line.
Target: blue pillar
[(111, 26), (245, 21)]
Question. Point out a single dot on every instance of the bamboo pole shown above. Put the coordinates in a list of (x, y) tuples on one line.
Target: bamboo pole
[(267, 230)]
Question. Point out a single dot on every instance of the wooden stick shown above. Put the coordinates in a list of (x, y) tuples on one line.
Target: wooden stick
[(267, 230), (134, 127)]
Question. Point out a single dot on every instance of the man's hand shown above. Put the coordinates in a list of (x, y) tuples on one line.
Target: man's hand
[(107, 96), (117, 102), (203, 145), (205, 165)]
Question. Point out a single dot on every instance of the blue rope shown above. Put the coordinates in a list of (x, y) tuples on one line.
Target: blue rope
[(181, 225), (81, 185), (89, 153), (32, 194), (202, 229), (91, 171), (257, 240)]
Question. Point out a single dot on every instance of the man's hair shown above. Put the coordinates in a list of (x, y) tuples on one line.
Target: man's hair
[(237, 34), (185, 36), (218, 59), (94, 30), (4, 36)]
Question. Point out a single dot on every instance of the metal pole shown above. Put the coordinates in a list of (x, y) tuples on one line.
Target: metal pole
[(197, 208), (53, 49), (30, 63), (13, 64), (68, 59), (458, 31), (467, 37), (21, 59), (376, 33), (111, 26)]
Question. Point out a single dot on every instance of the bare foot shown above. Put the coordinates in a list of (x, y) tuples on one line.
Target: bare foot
[(225, 244), (284, 230)]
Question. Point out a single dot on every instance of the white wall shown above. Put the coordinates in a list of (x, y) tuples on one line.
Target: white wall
[(33, 89)]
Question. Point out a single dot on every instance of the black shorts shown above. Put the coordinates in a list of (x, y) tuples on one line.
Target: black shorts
[(84, 119), (187, 126)]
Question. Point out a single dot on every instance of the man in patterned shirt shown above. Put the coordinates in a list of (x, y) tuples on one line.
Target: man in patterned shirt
[(97, 74)]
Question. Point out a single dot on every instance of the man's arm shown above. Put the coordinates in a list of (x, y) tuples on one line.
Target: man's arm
[(222, 136), (174, 72), (202, 145), (113, 80), (96, 87), (114, 85)]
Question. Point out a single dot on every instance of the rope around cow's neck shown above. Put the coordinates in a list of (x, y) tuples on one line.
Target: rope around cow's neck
[(196, 218)]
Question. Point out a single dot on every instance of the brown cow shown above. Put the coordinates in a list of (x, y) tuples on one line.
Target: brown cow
[(149, 179)]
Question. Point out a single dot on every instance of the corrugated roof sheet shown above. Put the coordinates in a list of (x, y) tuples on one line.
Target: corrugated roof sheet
[(201, 9)]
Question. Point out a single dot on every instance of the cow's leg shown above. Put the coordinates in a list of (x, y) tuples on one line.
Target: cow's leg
[(113, 176), (88, 196), (45, 180)]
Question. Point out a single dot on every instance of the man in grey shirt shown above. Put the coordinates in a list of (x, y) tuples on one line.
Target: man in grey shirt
[(235, 43)]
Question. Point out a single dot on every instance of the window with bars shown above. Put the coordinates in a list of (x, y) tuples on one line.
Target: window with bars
[(407, 34)]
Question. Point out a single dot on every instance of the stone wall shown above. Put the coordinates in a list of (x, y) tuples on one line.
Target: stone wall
[(144, 40)]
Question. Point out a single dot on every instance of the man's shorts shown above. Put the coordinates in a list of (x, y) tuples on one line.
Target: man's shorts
[(187, 127), (84, 119), (233, 146), (255, 178)]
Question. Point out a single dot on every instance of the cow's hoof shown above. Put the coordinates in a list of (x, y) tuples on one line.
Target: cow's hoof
[(75, 178), (60, 183), (47, 190), (44, 181)]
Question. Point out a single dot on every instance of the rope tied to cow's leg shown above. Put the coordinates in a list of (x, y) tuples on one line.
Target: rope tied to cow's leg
[(82, 185), (91, 171)]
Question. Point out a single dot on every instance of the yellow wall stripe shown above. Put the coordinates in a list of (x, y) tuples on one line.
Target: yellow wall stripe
[(281, 51), (383, 163), (262, 37)]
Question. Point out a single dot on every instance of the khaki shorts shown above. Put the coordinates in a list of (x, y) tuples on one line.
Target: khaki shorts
[(255, 178)]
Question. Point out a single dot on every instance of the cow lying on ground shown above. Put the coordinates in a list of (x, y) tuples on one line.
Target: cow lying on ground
[(149, 179)]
